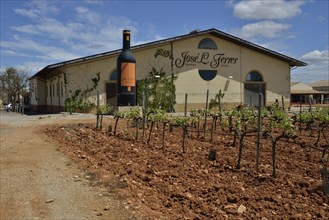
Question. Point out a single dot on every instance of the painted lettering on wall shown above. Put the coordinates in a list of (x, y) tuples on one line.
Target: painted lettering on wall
[(214, 61)]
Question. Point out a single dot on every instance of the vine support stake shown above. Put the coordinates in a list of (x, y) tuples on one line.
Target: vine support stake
[(282, 98), (207, 97), (258, 131), (205, 116), (300, 115), (97, 111), (144, 115), (185, 107), (324, 175)]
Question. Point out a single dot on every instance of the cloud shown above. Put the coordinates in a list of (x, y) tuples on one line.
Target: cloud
[(86, 14), (81, 10), (30, 67), (31, 13), (36, 49), (267, 9), (36, 9), (316, 55), (268, 29), (14, 53), (317, 68), (50, 38)]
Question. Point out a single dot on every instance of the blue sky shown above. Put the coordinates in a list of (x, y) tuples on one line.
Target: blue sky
[(35, 34)]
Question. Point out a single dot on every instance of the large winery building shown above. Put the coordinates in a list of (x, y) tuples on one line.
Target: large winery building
[(209, 60)]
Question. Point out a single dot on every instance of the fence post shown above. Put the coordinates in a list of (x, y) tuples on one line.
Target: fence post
[(144, 115), (205, 116), (97, 110), (282, 98), (300, 114), (207, 99), (258, 131), (310, 103), (325, 183)]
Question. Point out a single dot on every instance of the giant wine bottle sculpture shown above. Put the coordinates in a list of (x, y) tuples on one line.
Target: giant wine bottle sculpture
[(126, 66)]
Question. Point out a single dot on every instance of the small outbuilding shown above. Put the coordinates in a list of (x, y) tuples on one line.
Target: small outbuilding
[(314, 93)]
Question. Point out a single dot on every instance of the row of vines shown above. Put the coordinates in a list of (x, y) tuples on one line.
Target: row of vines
[(269, 122)]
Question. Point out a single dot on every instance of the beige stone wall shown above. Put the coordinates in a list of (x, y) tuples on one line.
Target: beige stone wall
[(190, 82), (145, 60), (230, 77), (79, 77), (38, 94), (275, 73)]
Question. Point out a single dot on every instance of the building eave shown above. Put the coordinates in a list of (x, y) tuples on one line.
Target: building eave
[(292, 62)]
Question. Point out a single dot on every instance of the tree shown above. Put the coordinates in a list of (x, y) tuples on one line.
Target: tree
[(14, 84), (158, 89), (158, 86), (76, 100), (278, 120), (217, 101)]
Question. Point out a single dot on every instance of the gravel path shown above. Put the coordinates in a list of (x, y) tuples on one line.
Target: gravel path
[(39, 182)]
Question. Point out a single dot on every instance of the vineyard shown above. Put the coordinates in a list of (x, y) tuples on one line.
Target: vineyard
[(245, 162)]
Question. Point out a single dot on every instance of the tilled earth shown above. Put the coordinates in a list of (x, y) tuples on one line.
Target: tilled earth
[(202, 183)]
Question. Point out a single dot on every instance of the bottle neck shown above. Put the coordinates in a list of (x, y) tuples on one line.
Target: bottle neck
[(126, 40)]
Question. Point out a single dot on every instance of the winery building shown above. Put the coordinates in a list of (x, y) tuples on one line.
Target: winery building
[(200, 61)]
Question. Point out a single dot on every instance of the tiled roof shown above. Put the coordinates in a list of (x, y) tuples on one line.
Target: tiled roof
[(320, 83)]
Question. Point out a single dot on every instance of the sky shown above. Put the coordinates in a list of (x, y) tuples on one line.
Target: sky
[(35, 34)]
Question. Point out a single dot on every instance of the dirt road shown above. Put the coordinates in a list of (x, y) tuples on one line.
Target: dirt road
[(39, 182)]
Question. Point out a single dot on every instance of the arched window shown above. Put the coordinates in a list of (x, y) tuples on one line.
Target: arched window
[(111, 89), (253, 86), (254, 77), (114, 75), (207, 75), (207, 43)]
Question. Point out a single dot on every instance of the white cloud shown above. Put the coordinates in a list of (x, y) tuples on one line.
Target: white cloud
[(316, 55), (86, 14), (36, 49), (36, 9), (30, 67), (81, 10), (51, 38), (31, 13), (268, 29), (14, 53), (317, 68), (267, 9)]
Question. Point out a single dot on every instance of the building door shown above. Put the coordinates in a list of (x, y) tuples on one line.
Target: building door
[(254, 86), (112, 90)]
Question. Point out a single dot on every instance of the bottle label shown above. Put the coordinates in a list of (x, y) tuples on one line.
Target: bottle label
[(128, 76)]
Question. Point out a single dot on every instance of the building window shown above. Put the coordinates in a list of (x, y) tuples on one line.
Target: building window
[(53, 90), (57, 88), (207, 75), (254, 77), (114, 75), (253, 86), (207, 43), (62, 89)]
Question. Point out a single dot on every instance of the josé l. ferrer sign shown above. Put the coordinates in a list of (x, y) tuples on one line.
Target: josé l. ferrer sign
[(211, 60)]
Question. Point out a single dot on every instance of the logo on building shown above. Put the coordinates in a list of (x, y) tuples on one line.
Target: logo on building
[(209, 58)]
